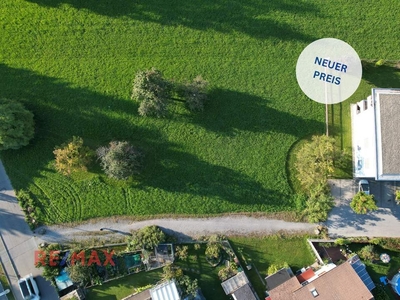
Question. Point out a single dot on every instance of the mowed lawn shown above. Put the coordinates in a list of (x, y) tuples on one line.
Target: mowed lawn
[(72, 63)]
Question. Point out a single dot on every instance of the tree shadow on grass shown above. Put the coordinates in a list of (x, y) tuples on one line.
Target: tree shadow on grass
[(230, 111), (385, 76), (254, 17), (62, 111)]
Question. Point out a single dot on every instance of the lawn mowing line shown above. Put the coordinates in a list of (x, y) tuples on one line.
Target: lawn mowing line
[(67, 189), (55, 209)]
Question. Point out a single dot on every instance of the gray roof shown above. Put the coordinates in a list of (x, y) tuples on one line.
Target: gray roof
[(278, 278), (234, 283), (389, 129), (244, 293)]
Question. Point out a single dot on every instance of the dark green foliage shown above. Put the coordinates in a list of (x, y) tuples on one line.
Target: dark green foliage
[(368, 253), (31, 208), (16, 125), (120, 160), (151, 90), (318, 204), (78, 273), (363, 203), (146, 238)]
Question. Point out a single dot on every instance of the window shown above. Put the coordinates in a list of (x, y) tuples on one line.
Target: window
[(314, 293)]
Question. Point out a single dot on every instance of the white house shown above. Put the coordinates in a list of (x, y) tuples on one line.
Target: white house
[(375, 124)]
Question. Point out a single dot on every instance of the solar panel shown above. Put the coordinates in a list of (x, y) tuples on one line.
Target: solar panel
[(360, 269)]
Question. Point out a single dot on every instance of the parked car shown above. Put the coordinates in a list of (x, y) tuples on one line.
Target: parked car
[(363, 186), (29, 288)]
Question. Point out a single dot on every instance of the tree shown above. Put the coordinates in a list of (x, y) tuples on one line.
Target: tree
[(213, 250), (195, 94), (362, 203), (16, 125), (315, 161), (151, 90), (146, 238), (79, 274), (72, 156), (120, 159), (318, 204)]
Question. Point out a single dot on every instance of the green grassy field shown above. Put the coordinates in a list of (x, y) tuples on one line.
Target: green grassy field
[(72, 63)]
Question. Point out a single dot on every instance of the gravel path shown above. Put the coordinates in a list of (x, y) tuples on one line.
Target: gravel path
[(183, 228)]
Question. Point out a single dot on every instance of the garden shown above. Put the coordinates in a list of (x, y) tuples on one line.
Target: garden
[(73, 64)]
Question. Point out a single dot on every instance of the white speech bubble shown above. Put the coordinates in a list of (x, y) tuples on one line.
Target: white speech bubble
[(329, 71)]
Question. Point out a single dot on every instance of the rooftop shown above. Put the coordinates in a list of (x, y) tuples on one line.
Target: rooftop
[(340, 283), (278, 278), (234, 283)]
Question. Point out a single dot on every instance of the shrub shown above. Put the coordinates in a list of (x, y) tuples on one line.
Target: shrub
[(79, 274), (195, 94), (228, 271), (213, 250), (197, 246), (16, 125), (33, 213), (181, 252), (367, 253), (362, 203), (272, 269), (318, 205), (120, 159), (151, 90), (72, 156), (342, 241), (146, 238)]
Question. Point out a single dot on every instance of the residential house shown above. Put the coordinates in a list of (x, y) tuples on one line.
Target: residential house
[(343, 282), (375, 135)]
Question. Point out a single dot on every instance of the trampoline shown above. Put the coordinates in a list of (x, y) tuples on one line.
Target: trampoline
[(395, 282), (132, 260)]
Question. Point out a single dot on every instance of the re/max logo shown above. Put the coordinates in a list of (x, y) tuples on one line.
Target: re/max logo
[(53, 258)]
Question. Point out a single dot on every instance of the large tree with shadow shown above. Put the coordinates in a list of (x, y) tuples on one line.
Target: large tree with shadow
[(16, 125)]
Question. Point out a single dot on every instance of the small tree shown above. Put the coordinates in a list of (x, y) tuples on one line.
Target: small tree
[(315, 161), (146, 238), (367, 253), (16, 125), (213, 250), (272, 269), (72, 156), (120, 159), (362, 203), (79, 274), (195, 94), (318, 205), (151, 90), (182, 252)]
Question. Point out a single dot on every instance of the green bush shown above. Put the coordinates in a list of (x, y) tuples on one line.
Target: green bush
[(30, 207), (196, 94), (318, 205), (16, 125), (363, 203), (272, 269), (146, 238), (367, 253), (342, 241)]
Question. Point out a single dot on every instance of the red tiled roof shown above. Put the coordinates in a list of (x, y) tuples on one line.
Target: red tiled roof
[(306, 275)]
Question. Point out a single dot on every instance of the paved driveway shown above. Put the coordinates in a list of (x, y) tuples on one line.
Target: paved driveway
[(17, 242), (343, 221)]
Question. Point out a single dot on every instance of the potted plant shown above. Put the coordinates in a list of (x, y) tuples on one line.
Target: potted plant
[(397, 197)]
